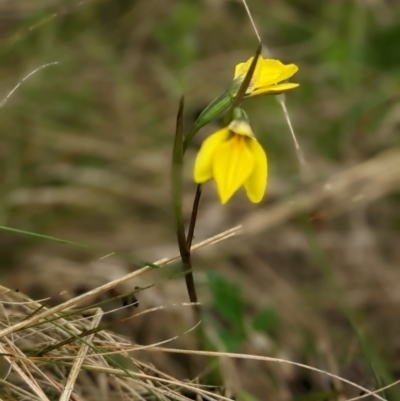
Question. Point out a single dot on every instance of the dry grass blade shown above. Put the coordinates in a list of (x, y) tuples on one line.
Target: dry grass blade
[(4, 101), (375, 391), (32, 369), (306, 173), (76, 367), (172, 381), (269, 359), (253, 24), (67, 371), (112, 284), (25, 395), (28, 380), (304, 168)]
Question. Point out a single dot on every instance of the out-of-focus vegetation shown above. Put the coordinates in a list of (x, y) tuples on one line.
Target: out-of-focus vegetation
[(85, 153)]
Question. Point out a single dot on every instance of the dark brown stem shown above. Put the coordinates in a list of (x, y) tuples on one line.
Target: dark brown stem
[(177, 164), (243, 86), (193, 218), (187, 262)]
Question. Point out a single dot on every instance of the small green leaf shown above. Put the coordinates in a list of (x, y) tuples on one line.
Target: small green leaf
[(216, 107), (265, 320), (228, 302)]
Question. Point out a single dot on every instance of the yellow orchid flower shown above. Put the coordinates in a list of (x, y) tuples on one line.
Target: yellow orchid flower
[(267, 75), (233, 157)]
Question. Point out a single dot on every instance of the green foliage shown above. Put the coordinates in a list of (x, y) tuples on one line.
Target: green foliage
[(228, 303), (177, 39), (385, 43), (266, 320)]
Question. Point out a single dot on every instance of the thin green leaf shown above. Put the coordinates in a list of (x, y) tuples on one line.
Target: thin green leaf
[(55, 239)]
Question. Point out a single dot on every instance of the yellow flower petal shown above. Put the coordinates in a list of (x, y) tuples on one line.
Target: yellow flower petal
[(270, 73), (287, 72), (274, 71), (203, 164), (242, 68), (273, 89), (267, 74), (257, 181), (272, 64), (232, 165)]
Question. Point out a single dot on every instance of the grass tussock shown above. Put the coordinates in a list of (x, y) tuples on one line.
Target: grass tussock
[(62, 353)]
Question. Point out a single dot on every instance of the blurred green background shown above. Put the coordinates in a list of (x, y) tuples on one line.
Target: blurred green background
[(85, 151)]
